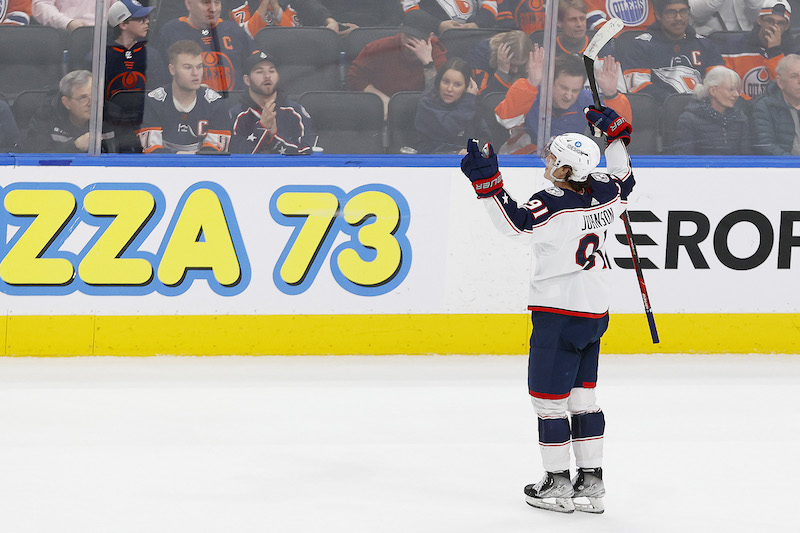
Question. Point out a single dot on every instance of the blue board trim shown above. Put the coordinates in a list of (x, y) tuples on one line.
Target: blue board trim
[(360, 160)]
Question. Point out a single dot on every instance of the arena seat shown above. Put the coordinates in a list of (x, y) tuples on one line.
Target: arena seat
[(459, 42), (400, 122), (644, 140), (357, 39), (79, 48), (309, 57), (27, 103), (671, 111), (31, 58), (498, 133), (346, 122)]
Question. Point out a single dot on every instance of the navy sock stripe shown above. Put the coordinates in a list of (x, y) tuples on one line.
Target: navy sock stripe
[(588, 425), (553, 430)]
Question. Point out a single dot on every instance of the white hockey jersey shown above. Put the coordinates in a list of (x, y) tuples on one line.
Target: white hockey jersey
[(568, 232)]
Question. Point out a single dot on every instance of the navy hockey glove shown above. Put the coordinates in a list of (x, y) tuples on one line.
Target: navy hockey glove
[(609, 122), (480, 166)]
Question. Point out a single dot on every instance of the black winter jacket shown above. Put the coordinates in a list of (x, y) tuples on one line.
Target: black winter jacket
[(445, 128), (704, 131), (51, 131), (773, 123)]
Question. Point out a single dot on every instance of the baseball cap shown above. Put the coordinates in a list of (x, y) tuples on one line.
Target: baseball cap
[(776, 7), (413, 32), (125, 9), (415, 26), (257, 57)]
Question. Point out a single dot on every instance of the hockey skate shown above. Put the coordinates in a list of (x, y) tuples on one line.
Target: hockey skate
[(589, 490), (553, 493)]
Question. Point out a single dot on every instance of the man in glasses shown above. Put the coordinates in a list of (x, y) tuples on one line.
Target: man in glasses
[(754, 56), (670, 57), (63, 125)]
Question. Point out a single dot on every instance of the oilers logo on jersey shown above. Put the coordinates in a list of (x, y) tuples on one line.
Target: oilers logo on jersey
[(631, 12), (754, 82)]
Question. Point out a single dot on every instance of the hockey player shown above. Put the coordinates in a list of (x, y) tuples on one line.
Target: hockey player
[(670, 57), (184, 117), (569, 296), (265, 121)]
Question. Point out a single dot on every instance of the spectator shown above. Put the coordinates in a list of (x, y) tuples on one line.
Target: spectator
[(184, 117), (519, 111), (709, 16), (636, 16), (407, 61), (499, 61), (713, 124), (9, 132), (755, 56), (64, 14), (63, 125), (265, 121), (453, 14), (775, 117), (15, 13), (128, 64), (669, 58), (521, 15), (223, 43), (254, 15), (448, 113), (572, 38)]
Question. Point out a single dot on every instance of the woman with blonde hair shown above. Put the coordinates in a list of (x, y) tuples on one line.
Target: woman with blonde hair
[(714, 124), (499, 61)]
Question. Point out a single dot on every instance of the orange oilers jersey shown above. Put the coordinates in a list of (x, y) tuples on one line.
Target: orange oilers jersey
[(251, 22), (636, 14), (755, 70), (755, 65), (15, 12)]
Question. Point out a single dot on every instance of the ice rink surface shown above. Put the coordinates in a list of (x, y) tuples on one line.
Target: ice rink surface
[(694, 443)]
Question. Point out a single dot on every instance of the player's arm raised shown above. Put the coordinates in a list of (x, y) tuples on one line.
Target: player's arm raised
[(481, 167), (618, 134)]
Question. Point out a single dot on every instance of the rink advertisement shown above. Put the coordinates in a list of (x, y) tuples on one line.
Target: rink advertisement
[(148, 260)]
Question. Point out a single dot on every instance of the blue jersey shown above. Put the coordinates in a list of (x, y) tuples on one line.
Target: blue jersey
[(167, 129), (656, 65), (225, 46), (568, 233), (293, 123), (131, 68)]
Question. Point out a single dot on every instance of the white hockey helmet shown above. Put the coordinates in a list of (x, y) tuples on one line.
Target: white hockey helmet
[(577, 151)]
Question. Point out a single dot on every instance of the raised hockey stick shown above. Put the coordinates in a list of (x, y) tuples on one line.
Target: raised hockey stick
[(600, 39), (603, 35)]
